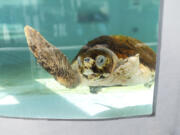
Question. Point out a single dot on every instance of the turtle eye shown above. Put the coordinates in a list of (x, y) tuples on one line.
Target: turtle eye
[(100, 60), (87, 59)]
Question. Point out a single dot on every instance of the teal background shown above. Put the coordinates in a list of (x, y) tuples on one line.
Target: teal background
[(68, 24), (74, 22)]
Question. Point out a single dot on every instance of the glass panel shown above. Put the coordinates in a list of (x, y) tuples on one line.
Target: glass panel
[(113, 77)]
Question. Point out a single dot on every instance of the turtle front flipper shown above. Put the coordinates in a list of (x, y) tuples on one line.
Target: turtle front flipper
[(51, 59)]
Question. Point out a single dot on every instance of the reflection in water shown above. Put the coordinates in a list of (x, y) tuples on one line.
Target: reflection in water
[(113, 97)]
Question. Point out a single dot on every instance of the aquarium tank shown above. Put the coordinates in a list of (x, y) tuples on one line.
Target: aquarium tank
[(27, 90)]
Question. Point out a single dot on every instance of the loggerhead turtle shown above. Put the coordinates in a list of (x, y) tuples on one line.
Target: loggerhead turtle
[(103, 62)]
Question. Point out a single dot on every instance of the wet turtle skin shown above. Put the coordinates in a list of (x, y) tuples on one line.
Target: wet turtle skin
[(103, 62)]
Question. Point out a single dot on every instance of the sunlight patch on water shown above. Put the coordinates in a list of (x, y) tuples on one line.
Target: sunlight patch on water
[(8, 100), (112, 97), (1, 88)]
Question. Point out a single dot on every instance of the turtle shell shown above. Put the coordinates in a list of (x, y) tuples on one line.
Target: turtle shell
[(123, 47)]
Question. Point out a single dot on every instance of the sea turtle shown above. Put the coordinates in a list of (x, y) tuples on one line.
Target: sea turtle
[(103, 62)]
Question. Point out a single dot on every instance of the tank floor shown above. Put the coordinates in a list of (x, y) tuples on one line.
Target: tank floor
[(24, 96), (45, 98)]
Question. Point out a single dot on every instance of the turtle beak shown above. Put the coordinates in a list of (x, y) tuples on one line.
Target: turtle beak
[(88, 72)]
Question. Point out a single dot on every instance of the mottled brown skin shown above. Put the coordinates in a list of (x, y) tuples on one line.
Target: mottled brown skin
[(116, 49), (51, 59)]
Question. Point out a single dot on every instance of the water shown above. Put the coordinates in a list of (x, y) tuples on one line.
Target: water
[(28, 91)]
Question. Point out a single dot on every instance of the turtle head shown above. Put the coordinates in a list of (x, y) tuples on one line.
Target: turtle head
[(96, 63)]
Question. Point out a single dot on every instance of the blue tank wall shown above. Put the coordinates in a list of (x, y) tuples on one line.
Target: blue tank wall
[(73, 23)]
